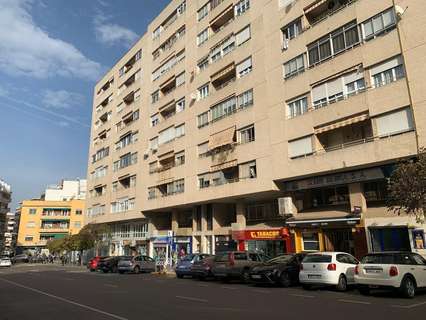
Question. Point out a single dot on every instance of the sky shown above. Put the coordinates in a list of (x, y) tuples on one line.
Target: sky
[(52, 52)]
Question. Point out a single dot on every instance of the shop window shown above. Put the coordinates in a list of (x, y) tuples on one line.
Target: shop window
[(310, 241), (185, 219), (390, 239), (375, 191)]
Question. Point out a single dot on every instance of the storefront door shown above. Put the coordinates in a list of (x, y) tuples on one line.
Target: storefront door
[(339, 240), (271, 248)]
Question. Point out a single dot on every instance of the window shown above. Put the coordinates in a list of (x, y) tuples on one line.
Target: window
[(202, 37), (78, 212), (310, 241), (241, 7), (355, 87), (244, 67), (122, 71), (223, 109), (246, 134), (33, 211), (180, 79), (122, 205), (153, 143), (132, 182), (77, 224), (153, 167), (180, 131), (339, 40), (137, 95), (203, 119), (180, 158), (292, 30), (245, 99), (30, 224), (203, 91), (394, 122), (100, 154), (203, 12), (242, 36), (204, 181), (180, 105), (154, 120), (115, 186), (203, 64), (203, 149), (379, 24), (294, 67), (166, 135), (328, 92), (300, 147), (155, 96), (387, 72), (375, 191), (297, 107), (247, 170), (29, 238)]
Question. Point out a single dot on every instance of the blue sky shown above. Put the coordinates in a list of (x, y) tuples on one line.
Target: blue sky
[(51, 54)]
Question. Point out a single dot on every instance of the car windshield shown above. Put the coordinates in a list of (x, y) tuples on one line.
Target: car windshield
[(126, 258), (281, 259), (317, 258), (188, 257), (385, 259)]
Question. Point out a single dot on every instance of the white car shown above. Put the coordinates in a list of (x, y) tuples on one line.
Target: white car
[(5, 262), (328, 268), (404, 271)]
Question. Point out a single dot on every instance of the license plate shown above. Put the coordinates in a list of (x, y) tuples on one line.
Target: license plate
[(256, 276), (314, 276), (373, 271)]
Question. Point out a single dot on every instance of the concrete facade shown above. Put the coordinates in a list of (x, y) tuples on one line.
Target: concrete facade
[(5, 199), (224, 107)]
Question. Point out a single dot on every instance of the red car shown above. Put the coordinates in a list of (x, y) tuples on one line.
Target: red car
[(93, 263)]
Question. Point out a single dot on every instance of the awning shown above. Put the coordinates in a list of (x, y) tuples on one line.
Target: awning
[(223, 72), (167, 105), (167, 82), (341, 123), (323, 219), (222, 138), (314, 6), (220, 15), (166, 155), (225, 165)]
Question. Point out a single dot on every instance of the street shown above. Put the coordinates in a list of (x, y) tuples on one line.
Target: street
[(55, 292)]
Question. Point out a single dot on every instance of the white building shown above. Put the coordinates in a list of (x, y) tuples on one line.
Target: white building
[(66, 190)]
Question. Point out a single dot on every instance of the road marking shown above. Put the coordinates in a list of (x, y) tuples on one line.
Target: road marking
[(261, 291), (229, 288), (76, 271), (301, 295), (410, 306), (65, 300), (203, 285), (353, 301), (192, 299), (110, 285)]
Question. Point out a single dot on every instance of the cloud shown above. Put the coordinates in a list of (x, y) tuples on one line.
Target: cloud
[(111, 34), (61, 99), (3, 92), (26, 49)]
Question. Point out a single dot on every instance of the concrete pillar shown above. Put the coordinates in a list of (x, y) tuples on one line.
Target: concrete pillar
[(356, 197), (240, 209), (175, 225), (203, 217)]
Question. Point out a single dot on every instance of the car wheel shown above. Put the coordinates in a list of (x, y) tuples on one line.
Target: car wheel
[(245, 276), (105, 270), (284, 280), (306, 286), (136, 270), (120, 272), (408, 288), (342, 285), (180, 276), (364, 290)]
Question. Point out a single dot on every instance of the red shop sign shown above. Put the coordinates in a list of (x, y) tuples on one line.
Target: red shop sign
[(268, 234)]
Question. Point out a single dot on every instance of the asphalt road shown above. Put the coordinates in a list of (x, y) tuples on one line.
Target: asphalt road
[(53, 292)]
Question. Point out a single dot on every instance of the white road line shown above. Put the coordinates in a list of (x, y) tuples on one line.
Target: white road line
[(410, 306), (65, 300), (301, 295), (192, 299), (110, 285), (203, 285), (353, 301), (229, 288), (261, 291)]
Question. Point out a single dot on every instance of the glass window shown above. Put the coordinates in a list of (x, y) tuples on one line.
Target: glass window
[(202, 37), (242, 7), (317, 258), (203, 12), (246, 134), (203, 92), (297, 107), (33, 211), (379, 24), (203, 119), (294, 67), (292, 30), (245, 99), (310, 242)]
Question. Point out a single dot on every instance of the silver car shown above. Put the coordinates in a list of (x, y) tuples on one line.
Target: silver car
[(136, 264)]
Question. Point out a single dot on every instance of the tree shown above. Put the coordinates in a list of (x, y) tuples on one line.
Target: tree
[(407, 188), (56, 245), (91, 235)]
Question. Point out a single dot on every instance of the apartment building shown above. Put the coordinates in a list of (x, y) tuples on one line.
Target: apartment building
[(57, 213), (261, 125), (5, 199)]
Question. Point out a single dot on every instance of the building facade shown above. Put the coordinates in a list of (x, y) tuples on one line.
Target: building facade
[(260, 125), (59, 212), (11, 233), (5, 199)]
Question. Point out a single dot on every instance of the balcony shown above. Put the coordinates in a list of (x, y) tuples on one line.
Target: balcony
[(167, 45), (321, 10), (222, 20), (224, 77)]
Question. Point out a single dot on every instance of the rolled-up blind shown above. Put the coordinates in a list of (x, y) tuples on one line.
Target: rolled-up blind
[(395, 122), (389, 64), (242, 36), (300, 147)]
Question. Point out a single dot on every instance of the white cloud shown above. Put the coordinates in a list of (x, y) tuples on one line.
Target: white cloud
[(3, 92), (112, 34), (61, 99), (26, 49)]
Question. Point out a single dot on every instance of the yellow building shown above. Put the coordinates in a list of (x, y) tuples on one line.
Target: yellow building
[(43, 220)]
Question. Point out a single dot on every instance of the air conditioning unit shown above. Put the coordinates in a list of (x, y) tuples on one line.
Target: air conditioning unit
[(194, 96), (285, 206)]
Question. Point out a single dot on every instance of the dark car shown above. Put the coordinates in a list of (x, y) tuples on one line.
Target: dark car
[(236, 264), (108, 264), (202, 269), (282, 270), (92, 265), (183, 267), (21, 258)]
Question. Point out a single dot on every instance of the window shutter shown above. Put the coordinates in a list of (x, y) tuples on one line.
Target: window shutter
[(244, 65), (243, 36), (334, 87), (354, 76), (319, 92), (300, 147), (394, 122), (392, 63)]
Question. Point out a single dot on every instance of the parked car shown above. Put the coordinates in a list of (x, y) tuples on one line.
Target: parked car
[(5, 262), (92, 265), (108, 264), (136, 264), (20, 258), (236, 264), (328, 268), (183, 267), (401, 271), (282, 270), (202, 269)]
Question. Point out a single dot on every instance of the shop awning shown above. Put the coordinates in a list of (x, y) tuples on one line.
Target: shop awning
[(225, 165), (222, 72), (55, 235), (341, 123), (323, 218), (222, 138)]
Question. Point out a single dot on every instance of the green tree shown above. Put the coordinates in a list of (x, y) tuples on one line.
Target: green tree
[(407, 188), (91, 236)]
